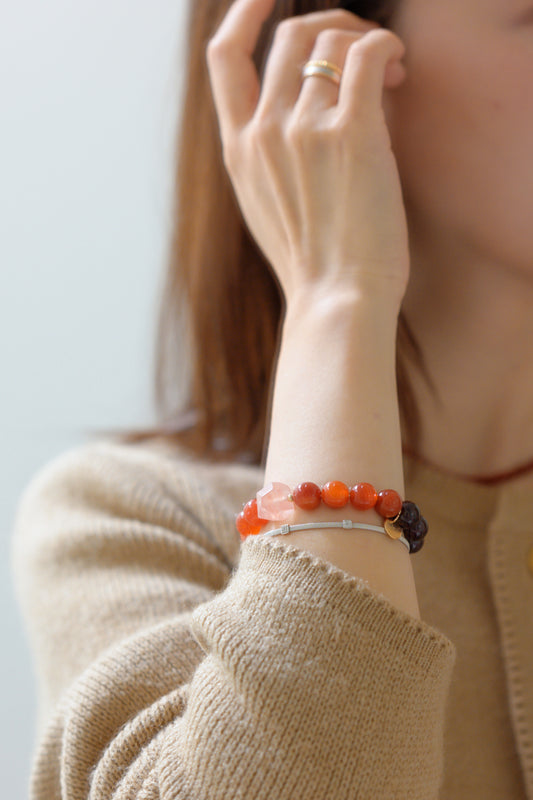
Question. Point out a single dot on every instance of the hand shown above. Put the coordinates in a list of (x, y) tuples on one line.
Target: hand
[(311, 162)]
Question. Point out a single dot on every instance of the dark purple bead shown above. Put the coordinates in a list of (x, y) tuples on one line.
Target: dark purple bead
[(416, 546), (418, 530), (409, 514)]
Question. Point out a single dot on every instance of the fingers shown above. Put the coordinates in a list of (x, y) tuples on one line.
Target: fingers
[(361, 89), (318, 93), (232, 73), (235, 83), (295, 42)]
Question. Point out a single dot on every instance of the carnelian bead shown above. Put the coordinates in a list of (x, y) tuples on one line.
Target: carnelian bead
[(389, 503), (244, 527), (363, 496), (307, 496), (335, 494), (250, 513)]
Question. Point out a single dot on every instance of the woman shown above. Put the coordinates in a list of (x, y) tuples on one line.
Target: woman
[(379, 157)]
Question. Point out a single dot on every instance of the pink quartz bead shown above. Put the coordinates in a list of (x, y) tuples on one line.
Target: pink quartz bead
[(272, 502)]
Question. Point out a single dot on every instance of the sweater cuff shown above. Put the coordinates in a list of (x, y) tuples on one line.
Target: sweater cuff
[(309, 670)]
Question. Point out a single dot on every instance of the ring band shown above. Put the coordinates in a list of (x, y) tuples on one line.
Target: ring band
[(323, 69), (328, 64)]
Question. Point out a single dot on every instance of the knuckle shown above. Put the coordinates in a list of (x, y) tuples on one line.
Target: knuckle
[(390, 36), (343, 122), (332, 37), (296, 132), (293, 133), (366, 50), (213, 43), (350, 129), (264, 129), (333, 15), (344, 14), (375, 40), (300, 25), (288, 27), (215, 48), (302, 133), (346, 19)]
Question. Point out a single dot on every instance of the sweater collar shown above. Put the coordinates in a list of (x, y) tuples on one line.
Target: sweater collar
[(465, 500)]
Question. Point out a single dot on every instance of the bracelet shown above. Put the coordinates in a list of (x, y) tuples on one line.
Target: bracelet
[(346, 523), (277, 502)]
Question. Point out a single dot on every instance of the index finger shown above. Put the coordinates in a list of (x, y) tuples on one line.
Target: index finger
[(233, 76)]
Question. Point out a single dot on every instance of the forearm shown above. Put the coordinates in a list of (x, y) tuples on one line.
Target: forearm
[(335, 416)]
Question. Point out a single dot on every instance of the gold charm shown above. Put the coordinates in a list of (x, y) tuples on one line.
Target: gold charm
[(393, 529)]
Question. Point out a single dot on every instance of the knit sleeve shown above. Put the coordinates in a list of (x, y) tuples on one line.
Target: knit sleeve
[(166, 671)]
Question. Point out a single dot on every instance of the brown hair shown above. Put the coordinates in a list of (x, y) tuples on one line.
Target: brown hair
[(221, 305)]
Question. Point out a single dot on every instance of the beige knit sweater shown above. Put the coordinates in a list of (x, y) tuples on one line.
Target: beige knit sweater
[(172, 661)]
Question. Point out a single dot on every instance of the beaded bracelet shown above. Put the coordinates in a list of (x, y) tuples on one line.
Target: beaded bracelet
[(276, 501)]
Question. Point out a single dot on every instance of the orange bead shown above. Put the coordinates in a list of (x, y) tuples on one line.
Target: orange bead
[(307, 496), (363, 496), (244, 527), (389, 503), (250, 513), (335, 494)]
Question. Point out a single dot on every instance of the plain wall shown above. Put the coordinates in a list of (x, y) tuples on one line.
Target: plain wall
[(90, 102)]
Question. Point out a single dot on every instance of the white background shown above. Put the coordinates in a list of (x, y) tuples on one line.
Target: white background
[(90, 97)]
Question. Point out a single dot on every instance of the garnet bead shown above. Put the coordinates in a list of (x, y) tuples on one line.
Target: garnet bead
[(363, 496), (307, 496), (389, 503), (335, 494)]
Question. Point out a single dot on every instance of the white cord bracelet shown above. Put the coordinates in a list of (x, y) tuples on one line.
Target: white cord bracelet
[(346, 523)]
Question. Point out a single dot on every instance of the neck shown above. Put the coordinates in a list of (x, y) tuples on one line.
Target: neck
[(473, 319)]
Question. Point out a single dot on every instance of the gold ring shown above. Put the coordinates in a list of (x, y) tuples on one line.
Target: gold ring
[(324, 70), (327, 64)]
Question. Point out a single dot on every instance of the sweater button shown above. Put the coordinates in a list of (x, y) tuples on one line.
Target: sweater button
[(530, 560)]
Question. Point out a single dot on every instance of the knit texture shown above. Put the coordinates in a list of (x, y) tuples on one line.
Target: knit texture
[(172, 661)]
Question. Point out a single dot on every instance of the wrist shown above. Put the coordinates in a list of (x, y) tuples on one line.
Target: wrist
[(344, 315), (378, 295)]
